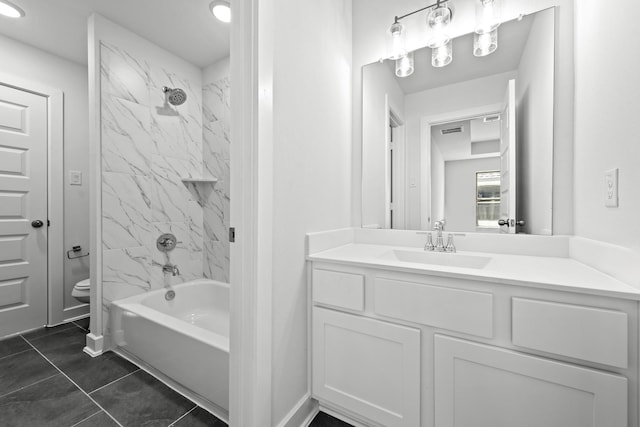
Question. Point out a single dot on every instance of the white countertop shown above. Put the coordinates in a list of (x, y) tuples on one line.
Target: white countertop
[(557, 273)]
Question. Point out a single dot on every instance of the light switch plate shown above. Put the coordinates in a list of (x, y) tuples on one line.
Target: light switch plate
[(75, 178), (611, 188)]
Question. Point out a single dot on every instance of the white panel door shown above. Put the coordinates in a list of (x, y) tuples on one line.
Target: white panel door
[(368, 367), (23, 202), (508, 160), (478, 385)]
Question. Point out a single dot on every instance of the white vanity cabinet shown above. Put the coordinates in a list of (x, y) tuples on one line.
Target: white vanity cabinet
[(478, 385), (367, 366), (394, 348)]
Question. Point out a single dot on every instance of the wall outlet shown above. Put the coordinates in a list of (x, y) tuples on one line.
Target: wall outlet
[(75, 178), (611, 188)]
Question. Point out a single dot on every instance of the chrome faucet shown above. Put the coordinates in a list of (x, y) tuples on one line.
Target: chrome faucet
[(170, 268), (439, 226)]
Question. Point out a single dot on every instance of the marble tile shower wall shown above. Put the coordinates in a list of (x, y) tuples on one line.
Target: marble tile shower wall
[(147, 147), (216, 140)]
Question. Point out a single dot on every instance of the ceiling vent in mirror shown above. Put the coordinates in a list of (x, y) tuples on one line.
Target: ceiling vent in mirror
[(449, 131), (491, 118)]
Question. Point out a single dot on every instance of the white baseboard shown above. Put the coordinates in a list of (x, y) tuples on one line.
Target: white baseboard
[(95, 345), (301, 414)]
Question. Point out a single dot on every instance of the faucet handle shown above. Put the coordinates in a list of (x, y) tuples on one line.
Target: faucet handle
[(429, 245), (450, 246)]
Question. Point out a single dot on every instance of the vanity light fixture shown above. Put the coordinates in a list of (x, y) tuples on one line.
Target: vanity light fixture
[(404, 65), (438, 20), (439, 40), (398, 49), (10, 10), (438, 37), (221, 9), (485, 39)]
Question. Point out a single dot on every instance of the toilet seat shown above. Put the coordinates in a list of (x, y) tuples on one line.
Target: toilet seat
[(83, 284), (82, 290)]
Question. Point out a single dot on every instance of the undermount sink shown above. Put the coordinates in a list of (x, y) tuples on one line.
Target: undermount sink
[(438, 258)]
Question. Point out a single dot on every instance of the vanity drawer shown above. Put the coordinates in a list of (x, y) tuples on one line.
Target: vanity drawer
[(338, 289), (458, 310), (587, 333)]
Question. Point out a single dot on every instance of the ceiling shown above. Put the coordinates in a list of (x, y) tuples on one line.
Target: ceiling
[(512, 37), (457, 146), (183, 27)]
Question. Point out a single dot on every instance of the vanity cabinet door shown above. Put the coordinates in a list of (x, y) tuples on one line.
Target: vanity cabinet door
[(482, 386), (368, 367)]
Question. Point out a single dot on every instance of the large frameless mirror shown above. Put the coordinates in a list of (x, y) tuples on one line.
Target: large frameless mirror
[(470, 143)]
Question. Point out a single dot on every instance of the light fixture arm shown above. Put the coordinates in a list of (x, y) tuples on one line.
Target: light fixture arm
[(434, 5)]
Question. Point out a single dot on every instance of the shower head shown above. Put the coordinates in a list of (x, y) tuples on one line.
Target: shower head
[(175, 96)]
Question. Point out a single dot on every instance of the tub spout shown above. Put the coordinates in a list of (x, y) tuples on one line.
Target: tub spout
[(170, 268)]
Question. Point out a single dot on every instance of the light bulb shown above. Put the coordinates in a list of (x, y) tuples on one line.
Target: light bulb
[(221, 10), (10, 10), (485, 43), (438, 21), (442, 56), (404, 65), (397, 41), (487, 15)]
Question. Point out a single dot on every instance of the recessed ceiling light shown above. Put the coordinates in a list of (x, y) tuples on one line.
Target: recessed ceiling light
[(221, 10), (10, 10)]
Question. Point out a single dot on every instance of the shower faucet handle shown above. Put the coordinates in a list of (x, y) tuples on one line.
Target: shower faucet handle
[(166, 242)]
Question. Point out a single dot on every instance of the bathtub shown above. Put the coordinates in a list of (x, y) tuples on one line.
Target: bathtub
[(185, 339)]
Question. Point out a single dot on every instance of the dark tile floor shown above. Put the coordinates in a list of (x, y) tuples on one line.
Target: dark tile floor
[(47, 380), (326, 420)]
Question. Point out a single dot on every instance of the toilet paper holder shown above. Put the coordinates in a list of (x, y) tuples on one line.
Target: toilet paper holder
[(76, 252)]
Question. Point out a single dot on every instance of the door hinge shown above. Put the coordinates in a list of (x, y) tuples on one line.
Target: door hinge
[(48, 223), (232, 234)]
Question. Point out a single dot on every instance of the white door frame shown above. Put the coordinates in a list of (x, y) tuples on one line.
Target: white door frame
[(55, 191), (395, 176), (251, 189), (425, 152)]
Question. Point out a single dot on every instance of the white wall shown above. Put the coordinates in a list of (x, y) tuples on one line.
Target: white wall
[(433, 102), (29, 63), (607, 128), (372, 19), (534, 93), (310, 127), (381, 87), (460, 191), (216, 71)]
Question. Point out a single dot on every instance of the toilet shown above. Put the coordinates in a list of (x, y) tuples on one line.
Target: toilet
[(81, 291)]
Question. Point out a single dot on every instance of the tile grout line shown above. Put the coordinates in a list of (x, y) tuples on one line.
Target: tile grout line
[(114, 381), (34, 383), (15, 354), (73, 382), (46, 335), (81, 327), (83, 420), (184, 415)]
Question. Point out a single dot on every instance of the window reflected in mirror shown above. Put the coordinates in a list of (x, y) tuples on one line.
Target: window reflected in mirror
[(487, 199)]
